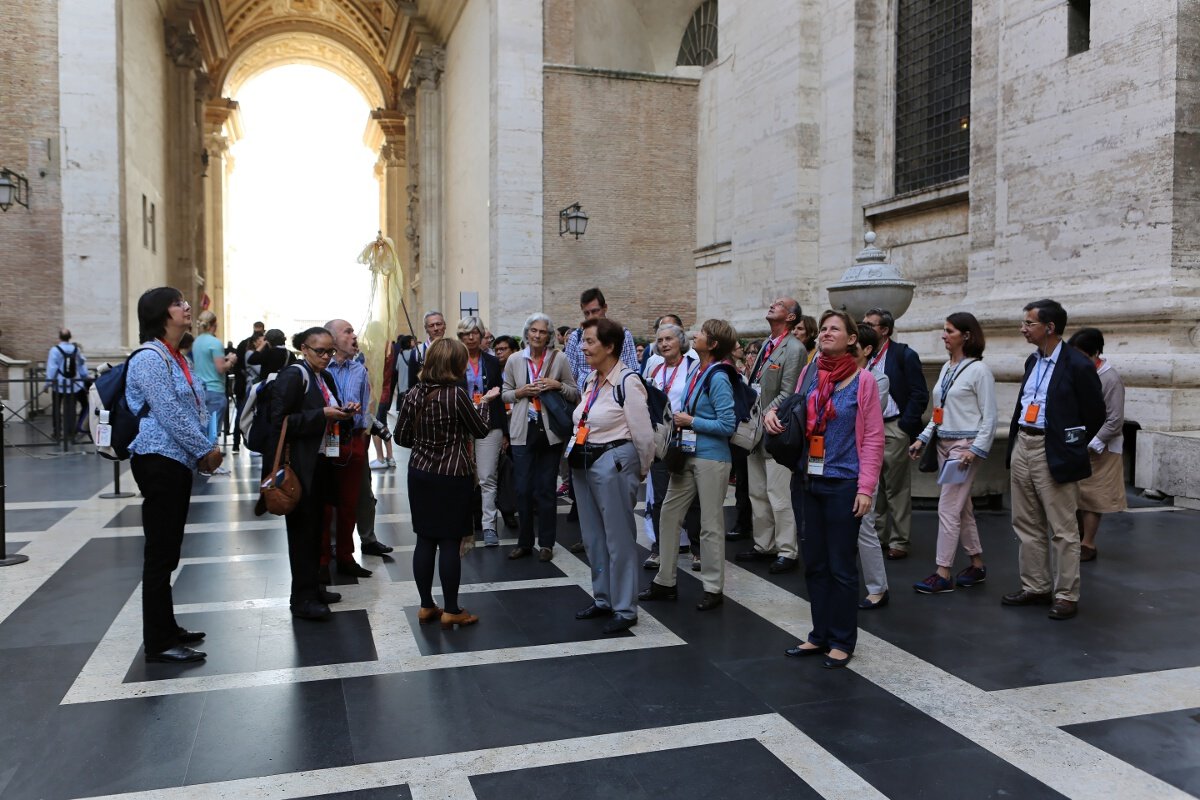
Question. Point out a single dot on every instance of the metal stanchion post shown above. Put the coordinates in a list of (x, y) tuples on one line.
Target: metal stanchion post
[(6, 560), (116, 493)]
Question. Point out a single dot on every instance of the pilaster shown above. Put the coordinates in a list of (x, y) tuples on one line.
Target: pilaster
[(425, 76), (184, 229)]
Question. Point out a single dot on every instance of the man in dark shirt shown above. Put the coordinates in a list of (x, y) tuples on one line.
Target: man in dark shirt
[(240, 382)]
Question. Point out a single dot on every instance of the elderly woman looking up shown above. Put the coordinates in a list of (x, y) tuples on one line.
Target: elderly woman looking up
[(668, 369), (610, 455), (528, 376), (483, 374), (704, 421)]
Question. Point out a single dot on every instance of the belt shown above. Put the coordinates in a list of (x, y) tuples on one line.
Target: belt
[(597, 449), (1032, 431), (891, 419)]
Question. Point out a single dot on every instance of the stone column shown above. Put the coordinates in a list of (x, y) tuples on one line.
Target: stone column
[(389, 136), (426, 74), (221, 129), (186, 85), (412, 239)]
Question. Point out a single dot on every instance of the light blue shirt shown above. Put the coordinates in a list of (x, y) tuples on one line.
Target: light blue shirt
[(177, 424), (1037, 386), (353, 386), (204, 350), (54, 365)]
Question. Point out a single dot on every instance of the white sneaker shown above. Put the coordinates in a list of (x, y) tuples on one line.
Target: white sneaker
[(221, 471), (378, 463)]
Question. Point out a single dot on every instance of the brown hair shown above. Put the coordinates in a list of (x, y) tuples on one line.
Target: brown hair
[(445, 363), (608, 333), (850, 325), (973, 339), (722, 338)]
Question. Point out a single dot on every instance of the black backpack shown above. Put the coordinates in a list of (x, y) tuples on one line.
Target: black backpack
[(70, 367), (108, 394)]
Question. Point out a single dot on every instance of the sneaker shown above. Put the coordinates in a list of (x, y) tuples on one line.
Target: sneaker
[(934, 584), (391, 463), (378, 463), (652, 562), (491, 538), (563, 489), (695, 563), (222, 470), (205, 474), (971, 576)]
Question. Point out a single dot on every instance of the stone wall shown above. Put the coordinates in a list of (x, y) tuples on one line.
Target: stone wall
[(30, 241), (624, 146)]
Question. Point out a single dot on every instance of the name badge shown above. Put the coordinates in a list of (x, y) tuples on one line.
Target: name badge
[(477, 399), (581, 435), (1031, 413), (687, 441), (1074, 435), (937, 416), (816, 456), (333, 441), (757, 387)]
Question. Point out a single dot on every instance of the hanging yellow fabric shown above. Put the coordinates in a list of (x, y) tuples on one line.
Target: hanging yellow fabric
[(382, 325)]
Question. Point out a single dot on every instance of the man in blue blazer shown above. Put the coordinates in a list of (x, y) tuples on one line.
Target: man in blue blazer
[(902, 423), (1059, 410)]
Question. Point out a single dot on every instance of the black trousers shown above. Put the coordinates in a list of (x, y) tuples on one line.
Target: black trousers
[(166, 486), (67, 412), (741, 492), (304, 528), (536, 469)]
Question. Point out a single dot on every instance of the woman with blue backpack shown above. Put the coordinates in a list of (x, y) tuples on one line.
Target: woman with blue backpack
[(171, 442), (704, 423)]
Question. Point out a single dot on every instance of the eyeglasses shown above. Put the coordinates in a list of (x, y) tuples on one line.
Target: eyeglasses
[(1029, 323), (181, 303), (326, 352)]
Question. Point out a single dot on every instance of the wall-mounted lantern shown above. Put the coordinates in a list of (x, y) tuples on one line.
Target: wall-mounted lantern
[(572, 220), (13, 189)]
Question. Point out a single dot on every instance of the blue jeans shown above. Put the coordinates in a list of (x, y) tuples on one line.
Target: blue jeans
[(535, 471), (215, 403), (829, 544)]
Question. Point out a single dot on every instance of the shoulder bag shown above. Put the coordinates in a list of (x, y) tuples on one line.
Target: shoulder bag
[(559, 414), (281, 492), (788, 448)]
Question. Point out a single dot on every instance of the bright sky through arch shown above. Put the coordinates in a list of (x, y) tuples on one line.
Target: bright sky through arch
[(303, 202)]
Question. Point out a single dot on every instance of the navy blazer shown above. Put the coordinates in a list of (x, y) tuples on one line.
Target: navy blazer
[(1073, 399), (907, 386), (493, 376)]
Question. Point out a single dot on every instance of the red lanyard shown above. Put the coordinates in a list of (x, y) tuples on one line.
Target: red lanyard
[(875, 361), (536, 372), (187, 373), (696, 376), (666, 387), (324, 389), (768, 348)]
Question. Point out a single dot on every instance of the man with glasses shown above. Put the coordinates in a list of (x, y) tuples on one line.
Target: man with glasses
[(593, 306), (909, 394), (1059, 409)]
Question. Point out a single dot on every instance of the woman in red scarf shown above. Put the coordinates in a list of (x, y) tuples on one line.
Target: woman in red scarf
[(832, 490)]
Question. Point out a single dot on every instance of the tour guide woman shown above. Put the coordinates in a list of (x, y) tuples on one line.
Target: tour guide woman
[(704, 422), (536, 448), (964, 424), (833, 490), (305, 396), (610, 454), (439, 422), (172, 441)]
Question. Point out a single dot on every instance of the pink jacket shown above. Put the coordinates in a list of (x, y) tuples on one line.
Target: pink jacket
[(868, 430)]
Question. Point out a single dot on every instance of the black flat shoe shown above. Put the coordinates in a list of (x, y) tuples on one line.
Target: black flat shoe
[(327, 597), (753, 555), (656, 591), (593, 611), (867, 605), (352, 569), (190, 637), (376, 549), (837, 663), (619, 624), (177, 655), (710, 601), (311, 609), (783, 564), (801, 652)]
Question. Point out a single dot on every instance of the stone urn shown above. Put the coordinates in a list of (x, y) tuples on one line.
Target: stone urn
[(871, 283)]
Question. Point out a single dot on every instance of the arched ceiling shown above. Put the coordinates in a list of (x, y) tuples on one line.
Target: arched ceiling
[(349, 37)]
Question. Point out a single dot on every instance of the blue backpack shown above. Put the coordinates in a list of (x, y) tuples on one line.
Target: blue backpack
[(108, 394)]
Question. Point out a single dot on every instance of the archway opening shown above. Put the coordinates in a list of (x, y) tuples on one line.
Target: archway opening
[(303, 201)]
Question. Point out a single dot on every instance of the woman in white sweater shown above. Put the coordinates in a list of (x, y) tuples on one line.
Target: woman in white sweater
[(964, 425)]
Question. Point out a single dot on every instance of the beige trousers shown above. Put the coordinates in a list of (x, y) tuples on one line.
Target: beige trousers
[(1043, 515), (709, 479), (893, 505), (771, 505)]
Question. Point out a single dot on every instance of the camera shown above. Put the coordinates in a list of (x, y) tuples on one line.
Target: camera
[(380, 430)]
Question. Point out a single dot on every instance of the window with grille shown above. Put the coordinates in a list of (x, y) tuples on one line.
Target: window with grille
[(699, 45), (933, 92)]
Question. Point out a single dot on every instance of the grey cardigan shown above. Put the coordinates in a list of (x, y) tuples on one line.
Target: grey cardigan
[(516, 375)]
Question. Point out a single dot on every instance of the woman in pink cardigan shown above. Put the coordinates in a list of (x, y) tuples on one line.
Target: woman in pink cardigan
[(832, 490)]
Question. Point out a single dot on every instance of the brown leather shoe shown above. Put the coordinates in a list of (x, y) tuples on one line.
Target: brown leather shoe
[(463, 617), (1087, 553), (545, 554), (1063, 609), (1024, 598), (518, 552), (895, 555), (428, 615)]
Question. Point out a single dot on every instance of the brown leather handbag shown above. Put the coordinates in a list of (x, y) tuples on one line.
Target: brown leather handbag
[(281, 492)]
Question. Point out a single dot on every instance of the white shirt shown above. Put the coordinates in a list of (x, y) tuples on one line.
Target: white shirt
[(1037, 386), (673, 382), (890, 409)]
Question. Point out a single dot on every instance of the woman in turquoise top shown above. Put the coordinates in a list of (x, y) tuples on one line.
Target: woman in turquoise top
[(703, 427)]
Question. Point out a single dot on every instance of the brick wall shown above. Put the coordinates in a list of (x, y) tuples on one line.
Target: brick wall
[(625, 148), (30, 241)]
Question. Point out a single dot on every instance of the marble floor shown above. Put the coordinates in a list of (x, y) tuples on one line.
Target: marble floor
[(948, 695)]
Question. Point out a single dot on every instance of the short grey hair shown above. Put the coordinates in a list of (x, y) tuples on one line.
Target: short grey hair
[(537, 316), (679, 333), (468, 324), (429, 314)]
